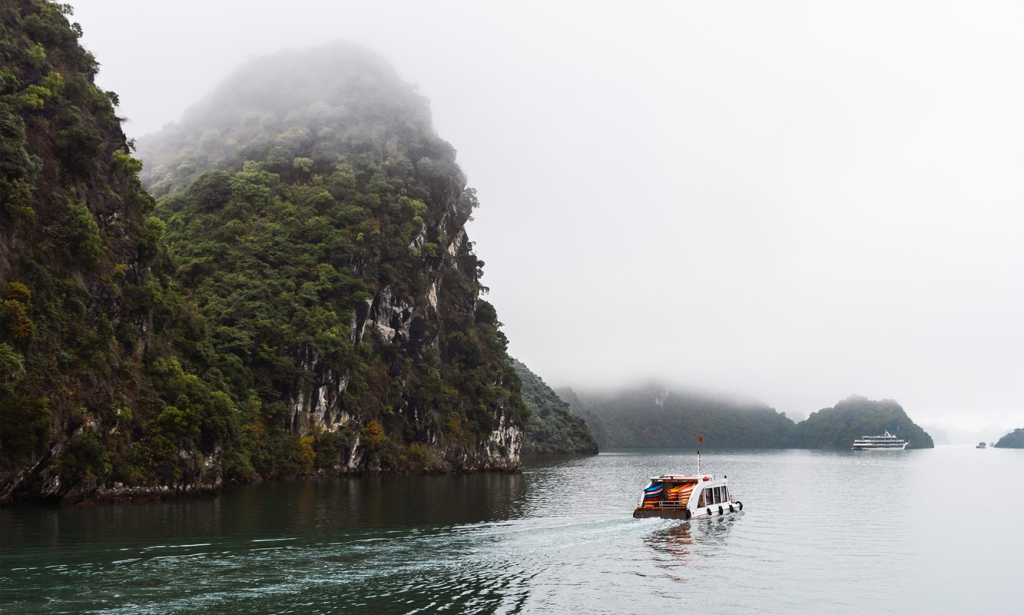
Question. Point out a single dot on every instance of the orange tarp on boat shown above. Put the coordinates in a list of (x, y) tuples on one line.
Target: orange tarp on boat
[(681, 493)]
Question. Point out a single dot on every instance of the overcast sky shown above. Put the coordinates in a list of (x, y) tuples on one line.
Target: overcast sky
[(789, 201)]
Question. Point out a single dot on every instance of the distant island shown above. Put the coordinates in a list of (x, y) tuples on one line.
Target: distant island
[(1014, 439), (551, 428), (655, 417), (857, 416)]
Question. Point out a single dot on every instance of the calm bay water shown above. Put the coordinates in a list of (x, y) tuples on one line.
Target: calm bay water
[(923, 531)]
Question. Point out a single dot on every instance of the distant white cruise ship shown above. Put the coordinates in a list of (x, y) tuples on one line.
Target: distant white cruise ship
[(888, 442)]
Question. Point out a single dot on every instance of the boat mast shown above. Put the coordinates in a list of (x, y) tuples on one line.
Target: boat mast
[(700, 439)]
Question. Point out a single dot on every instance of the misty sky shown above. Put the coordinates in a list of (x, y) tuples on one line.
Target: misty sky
[(787, 201)]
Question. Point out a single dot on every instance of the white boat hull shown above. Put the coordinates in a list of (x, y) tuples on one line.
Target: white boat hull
[(686, 514), (713, 511)]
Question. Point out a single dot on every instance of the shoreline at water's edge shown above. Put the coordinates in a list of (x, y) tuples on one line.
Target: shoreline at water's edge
[(94, 495), (141, 494)]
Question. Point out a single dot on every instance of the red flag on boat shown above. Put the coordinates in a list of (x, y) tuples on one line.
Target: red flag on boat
[(700, 439)]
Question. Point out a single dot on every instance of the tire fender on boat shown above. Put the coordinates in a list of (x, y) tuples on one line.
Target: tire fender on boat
[(731, 509), (721, 511), (740, 505), (709, 512)]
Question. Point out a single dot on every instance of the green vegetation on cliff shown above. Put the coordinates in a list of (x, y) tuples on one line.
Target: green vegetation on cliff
[(1014, 439), (318, 228), (303, 296), (553, 428), (89, 322), (655, 417), (856, 416)]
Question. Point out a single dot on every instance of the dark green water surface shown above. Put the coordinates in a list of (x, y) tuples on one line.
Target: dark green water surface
[(929, 531)]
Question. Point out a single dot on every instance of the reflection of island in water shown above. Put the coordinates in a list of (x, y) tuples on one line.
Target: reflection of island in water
[(279, 508), (679, 545)]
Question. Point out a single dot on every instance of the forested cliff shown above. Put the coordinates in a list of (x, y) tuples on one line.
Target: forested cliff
[(86, 313), (553, 428), (303, 297), (316, 221)]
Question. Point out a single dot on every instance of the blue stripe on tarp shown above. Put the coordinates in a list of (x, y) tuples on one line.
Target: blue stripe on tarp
[(652, 491)]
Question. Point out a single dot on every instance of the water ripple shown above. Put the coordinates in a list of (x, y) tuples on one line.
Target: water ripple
[(819, 531)]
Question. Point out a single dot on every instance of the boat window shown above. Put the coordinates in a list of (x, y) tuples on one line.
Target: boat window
[(725, 494), (702, 502)]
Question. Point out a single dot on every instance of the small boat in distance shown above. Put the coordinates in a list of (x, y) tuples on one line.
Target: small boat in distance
[(684, 496), (981, 445), (887, 442)]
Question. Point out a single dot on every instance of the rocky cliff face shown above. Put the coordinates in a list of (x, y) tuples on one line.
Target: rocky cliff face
[(78, 253), (347, 282), (303, 298)]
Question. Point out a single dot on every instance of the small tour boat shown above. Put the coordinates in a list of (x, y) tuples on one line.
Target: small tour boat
[(678, 496), (981, 445)]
